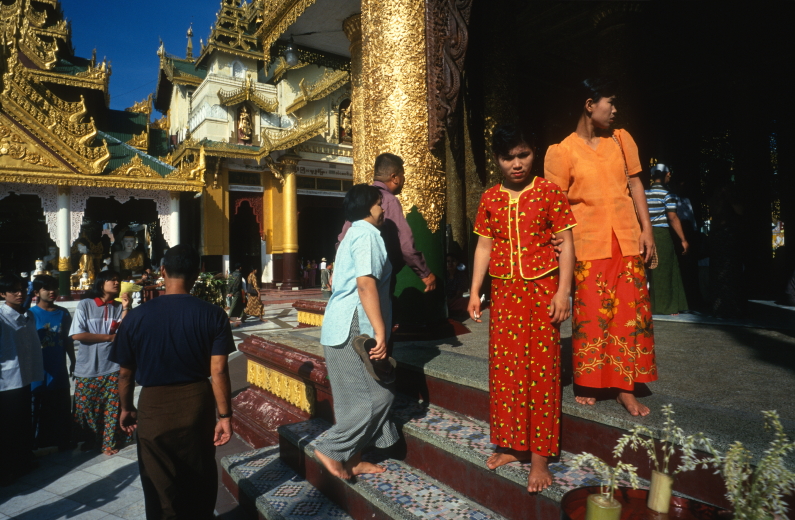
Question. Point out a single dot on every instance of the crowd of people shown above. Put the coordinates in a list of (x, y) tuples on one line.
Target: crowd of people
[(579, 241), (174, 346)]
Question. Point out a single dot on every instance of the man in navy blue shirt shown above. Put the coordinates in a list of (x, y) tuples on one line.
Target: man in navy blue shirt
[(170, 346)]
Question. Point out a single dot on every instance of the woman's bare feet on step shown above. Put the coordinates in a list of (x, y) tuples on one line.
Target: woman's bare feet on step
[(540, 477), (357, 466), (590, 401), (631, 403), (334, 467), (505, 456)]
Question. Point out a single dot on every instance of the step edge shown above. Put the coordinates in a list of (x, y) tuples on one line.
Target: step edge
[(245, 486), (512, 474), (371, 492)]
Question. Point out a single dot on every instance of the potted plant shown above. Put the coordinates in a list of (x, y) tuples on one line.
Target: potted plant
[(604, 506), (758, 493), (662, 478), (209, 288)]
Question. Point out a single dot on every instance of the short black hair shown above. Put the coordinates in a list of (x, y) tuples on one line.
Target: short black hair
[(98, 289), (358, 201), (507, 137), (182, 261), (44, 281), (595, 88), (386, 164), (10, 282)]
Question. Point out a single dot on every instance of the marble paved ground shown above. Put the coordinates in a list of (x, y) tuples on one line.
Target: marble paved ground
[(93, 486)]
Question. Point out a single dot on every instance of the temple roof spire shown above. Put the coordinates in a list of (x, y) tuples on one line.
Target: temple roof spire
[(189, 51)]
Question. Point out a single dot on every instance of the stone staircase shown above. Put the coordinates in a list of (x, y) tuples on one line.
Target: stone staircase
[(438, 470)]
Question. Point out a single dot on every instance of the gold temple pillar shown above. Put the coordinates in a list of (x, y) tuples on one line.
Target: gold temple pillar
[(394, 83), (362, 170), (289, 163)]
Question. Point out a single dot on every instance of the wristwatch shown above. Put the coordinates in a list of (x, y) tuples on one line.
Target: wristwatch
[(225, 415)]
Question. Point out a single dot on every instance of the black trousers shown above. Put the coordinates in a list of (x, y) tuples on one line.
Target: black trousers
[(16, 434), (176, 454)]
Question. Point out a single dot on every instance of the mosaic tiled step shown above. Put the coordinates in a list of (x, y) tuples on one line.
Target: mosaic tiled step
[(400, 492), (276, 490), (454, 448)]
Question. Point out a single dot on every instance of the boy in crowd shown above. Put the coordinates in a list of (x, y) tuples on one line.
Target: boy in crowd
[(20, 365), (52, 403)]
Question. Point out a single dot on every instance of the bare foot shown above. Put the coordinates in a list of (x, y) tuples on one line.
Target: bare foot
[(357, 466), (110, 452), (590, 401), (334, 467), (540, 477), (506, 456), (631, 403)]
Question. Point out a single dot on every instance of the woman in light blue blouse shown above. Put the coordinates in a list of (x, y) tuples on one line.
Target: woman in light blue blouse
[(359, 304)]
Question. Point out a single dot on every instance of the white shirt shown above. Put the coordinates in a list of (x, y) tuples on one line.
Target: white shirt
[(21, 362)]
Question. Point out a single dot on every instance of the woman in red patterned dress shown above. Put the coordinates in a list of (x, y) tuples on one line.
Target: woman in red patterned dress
[(612, 331), (530, 298)]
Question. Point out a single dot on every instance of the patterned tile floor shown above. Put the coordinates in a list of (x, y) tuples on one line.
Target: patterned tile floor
[(278, 488), (402, 485), (473, 436)]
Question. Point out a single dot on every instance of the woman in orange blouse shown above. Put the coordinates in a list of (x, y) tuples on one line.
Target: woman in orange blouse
[(516, 221), (612, 332)]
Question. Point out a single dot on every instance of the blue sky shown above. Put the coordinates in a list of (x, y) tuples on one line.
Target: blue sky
[(128, 34)]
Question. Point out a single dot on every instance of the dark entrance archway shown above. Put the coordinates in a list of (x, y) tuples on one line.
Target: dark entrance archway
[(23, 233), (320, 220), (245, 242)]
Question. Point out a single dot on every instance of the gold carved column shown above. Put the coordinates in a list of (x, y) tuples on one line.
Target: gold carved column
[(395, 85), (396, 118), (289, 163), (362, 170)]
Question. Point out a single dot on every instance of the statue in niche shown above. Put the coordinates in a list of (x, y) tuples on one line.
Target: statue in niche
[(245, 129), (85, 266), (346, 124), (39, 270), (51, 260), (129, 262), (85, 282)]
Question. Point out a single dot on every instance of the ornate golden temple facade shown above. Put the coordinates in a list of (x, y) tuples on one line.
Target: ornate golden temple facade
[(60, 142), (283, 107)]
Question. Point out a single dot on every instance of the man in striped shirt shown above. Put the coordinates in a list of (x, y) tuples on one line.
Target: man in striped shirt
[(666, 291)]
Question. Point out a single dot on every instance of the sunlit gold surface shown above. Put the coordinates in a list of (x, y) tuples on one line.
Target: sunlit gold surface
[(13, 146), (64, 265), (53, 120), (396, 118), (310, 318), (282, 67), (328, 83), (292, 390), (142, 107), (248, 93), (290, 202), (278, 15)]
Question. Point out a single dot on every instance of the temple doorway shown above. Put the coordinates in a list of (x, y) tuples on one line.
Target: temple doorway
[(320, 220), (245, 242), (23, 233)]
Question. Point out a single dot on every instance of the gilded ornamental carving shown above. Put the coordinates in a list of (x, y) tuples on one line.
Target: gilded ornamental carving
[(328, 83), (292, 390)]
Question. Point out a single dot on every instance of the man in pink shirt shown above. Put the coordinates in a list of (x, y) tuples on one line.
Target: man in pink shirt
[(399, 240)]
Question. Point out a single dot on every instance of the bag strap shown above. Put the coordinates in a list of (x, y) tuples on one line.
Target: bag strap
[(626, 174)]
